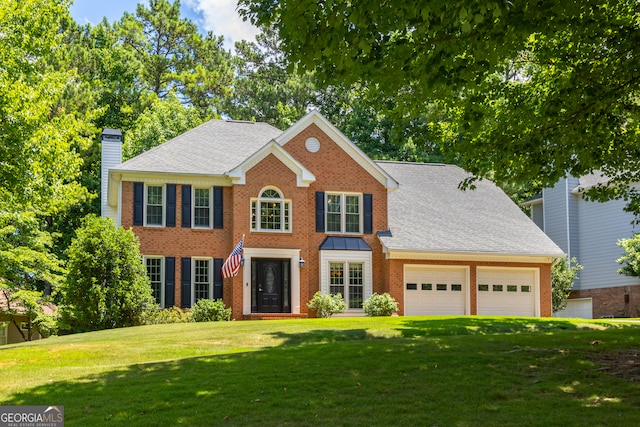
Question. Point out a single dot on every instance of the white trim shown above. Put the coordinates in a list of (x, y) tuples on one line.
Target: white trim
[(346, 257), (536, 284), (304, 177), (314, 117), (162, 275), (430, 267), (193, 207), (164, 205), (469, 256), (281, 200), (193, 277), (292, 254), (343, 213)]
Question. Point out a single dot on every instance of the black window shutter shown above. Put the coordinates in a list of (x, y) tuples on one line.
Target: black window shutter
[(320, 211), (217, 278), (138, 203), (186, 206), (217, 207), (367, 200), (185, 283), (171, 205), (169, 281)]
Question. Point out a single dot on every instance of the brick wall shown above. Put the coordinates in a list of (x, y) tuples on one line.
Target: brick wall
[(395, 278), (619, 301)]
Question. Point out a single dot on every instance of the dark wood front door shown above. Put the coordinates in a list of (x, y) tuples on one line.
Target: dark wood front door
[(270, 286)]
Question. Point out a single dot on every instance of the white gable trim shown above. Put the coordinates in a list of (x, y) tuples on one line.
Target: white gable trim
[(314, 117), (303, 175)]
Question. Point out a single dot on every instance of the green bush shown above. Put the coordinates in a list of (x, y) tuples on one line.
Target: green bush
[(380, 305), (327, 305), (166, 315), (206, 310)]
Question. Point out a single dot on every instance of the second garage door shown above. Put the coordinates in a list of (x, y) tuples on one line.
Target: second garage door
[(507, 291), (435, 290)]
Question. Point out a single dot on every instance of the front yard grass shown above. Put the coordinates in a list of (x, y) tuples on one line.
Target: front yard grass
[(401, 371)]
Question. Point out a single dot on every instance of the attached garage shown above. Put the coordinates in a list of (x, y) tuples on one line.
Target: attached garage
[(435, 290), (508, 291)]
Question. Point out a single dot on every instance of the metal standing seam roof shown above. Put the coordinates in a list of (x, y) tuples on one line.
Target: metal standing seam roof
[(429, 213), (333, 243)]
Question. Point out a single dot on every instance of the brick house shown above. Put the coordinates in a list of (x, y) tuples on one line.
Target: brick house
[(318, 214)]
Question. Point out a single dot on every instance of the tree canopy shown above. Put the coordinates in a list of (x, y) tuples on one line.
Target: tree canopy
[(530, 90)]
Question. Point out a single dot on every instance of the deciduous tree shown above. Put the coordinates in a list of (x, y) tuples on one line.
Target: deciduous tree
[(533, 90)]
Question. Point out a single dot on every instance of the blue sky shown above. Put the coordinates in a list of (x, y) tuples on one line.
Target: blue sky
[(217, 16)]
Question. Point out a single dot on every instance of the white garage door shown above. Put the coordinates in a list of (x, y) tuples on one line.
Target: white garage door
[(579, 308), (431, 290), (507, 291)]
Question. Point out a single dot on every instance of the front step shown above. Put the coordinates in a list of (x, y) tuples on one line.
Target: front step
[(274, 316)]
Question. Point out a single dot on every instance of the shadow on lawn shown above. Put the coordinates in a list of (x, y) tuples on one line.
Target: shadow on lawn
[(420, 327)]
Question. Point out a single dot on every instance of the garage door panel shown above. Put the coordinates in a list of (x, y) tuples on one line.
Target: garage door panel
[(435, 291), (507, 292)]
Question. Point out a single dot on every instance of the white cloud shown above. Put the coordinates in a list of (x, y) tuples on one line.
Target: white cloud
[(221, 17)]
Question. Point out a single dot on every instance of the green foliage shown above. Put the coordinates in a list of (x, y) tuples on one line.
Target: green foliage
[(563, 273), (206, 310), (380, 305), (165, 315), (327, 305), (264, 89), (172, 55), (107, 285), (631, 257), (552, 83)]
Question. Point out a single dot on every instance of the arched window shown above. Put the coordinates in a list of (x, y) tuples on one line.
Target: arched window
[(270, 211)]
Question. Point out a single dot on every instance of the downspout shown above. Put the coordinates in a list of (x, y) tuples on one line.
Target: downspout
[(566, 195)]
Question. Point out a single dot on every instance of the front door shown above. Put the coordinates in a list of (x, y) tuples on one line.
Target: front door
[(270, 286)]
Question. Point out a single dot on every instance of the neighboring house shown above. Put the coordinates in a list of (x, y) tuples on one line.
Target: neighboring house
[(14, 328), (589, 231), (318, 214)]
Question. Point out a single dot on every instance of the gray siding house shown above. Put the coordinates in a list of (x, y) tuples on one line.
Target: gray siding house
[(589, 231)]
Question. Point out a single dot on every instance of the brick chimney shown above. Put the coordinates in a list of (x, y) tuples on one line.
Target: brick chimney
[(111, 157)]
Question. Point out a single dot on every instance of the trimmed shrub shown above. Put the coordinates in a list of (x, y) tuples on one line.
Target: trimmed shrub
[(380, 305), (166, 315), (206, 310), (327, 305)]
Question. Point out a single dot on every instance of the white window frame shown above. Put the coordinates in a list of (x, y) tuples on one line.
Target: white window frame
[(193, 208), (343, 214), (346, 281), (327, 257), (286, 212), (193, 278), (162, 277), (164, 204)]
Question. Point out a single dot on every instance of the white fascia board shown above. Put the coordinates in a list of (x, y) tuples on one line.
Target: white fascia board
[(314, 117), (116, 176), (470, 256), (304, 176)]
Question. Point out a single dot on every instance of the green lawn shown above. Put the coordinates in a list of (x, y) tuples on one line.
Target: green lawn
[(393, 371)]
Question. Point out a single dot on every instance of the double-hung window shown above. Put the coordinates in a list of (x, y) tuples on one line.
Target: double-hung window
[(202, 284), (344, 213), (271, 212), (347, 280), (155, 273), (202, 211), (154, 205)]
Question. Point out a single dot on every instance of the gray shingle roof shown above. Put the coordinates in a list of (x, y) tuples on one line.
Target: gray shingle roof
[(198, 150), (429, 213)]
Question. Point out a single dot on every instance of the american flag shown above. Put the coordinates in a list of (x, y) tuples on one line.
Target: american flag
[(231, 266)]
